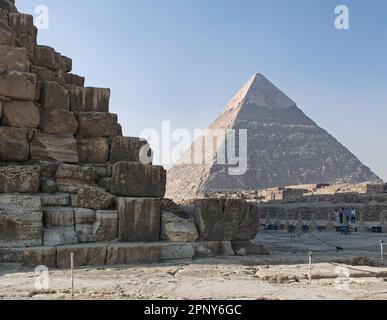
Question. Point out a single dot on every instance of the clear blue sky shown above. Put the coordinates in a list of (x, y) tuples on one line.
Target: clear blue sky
[(182, 60)]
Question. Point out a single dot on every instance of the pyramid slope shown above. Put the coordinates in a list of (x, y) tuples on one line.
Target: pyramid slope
[(285, 147)]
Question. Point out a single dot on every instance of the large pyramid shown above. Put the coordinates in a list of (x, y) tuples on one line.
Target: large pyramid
[(285, 147)]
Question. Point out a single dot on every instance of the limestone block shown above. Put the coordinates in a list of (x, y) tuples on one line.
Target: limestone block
[(13, 58), (47, 57), (55, 200), (75, 175), (59, 217), (17, 85), (66, 63), (28, 42), (56, 121), (20, 114), (106, 226), (84, 255), (85, 216), (133, 179), (43, 74), (59, 236), (74, 80), (224, 220), (93, 150), (84, 233), (29, 257), (54, 96), (127, 149), (25, 203), (19, 179), (52, 147), (19, 228), (98, 124), (7, 35), (8, 5), (132, 253), (139, 219), (88, 99), (176, 229), (22, 23), (177, 252), (13, 144), (92, 198)]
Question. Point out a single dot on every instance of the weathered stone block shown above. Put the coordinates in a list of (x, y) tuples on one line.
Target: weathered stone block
[(59, 236), (29, 257), (177, 229), (19, 179), (7, 35), (85, 216), (55, 200), (13, 58), (84, 255), (17, 85), (133, 179), (47, 57), (8, 5), (43, 74), (59, 217), (221, 220), (56, 121), (52, 147), (54, 96), (106, 226), (128, 149), (18, 228), (73, 174), (22, 23), (20, 114), (74, 80), (93, 150), (66, 63), (89, 99), (122, 254), (28, 42), (92, 198), (98, 124), (139, 219), (13, 144)]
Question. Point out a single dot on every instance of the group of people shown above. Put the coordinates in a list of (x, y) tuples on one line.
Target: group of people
[(346, 216)]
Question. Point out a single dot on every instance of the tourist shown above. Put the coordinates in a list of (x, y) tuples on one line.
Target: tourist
[(347, 214), (341, 214), (353, 216)]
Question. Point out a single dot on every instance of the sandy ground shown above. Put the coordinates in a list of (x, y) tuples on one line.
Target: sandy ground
[(281, 275)]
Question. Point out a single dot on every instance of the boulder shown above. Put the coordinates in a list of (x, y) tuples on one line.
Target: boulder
[(47, 57), (54, 96), (92, 198), (20, 114), (7, 35), (52, 147), (17, 85), (139, 219), (13, 58), (88, 99), (13, 144), (224, 220), (56, 121), (98, 124), (127, 149), (176, 229), (106, 226), (84, 255), (93, 150), (132, 179), (19, 179)]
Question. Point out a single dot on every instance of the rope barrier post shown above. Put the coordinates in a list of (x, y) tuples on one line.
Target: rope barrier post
[(72, 273), (310, 266), (382, 250)]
